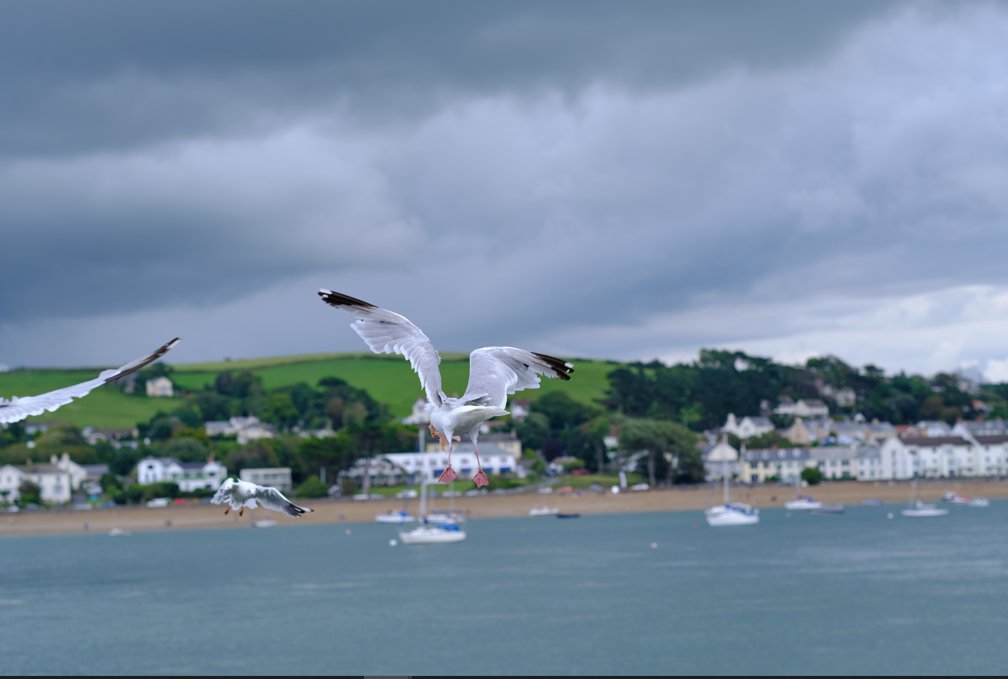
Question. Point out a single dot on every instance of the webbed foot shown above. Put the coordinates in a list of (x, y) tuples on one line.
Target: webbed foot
[(448, 475), (480, 479)]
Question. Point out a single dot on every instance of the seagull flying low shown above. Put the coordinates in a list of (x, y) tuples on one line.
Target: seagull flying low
[(18, 408), (237, 494), (494, 372)]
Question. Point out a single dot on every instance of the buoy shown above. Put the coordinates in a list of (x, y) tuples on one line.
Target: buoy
[(392, 542), (889, 515), (347, 531), (654, 545)]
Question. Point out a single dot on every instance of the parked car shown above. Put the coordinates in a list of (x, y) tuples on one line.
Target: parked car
[(158, 502)]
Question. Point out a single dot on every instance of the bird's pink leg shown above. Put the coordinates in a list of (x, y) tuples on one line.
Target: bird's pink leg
[(448, 475), (227, 510), (241, 511), (480, 478)]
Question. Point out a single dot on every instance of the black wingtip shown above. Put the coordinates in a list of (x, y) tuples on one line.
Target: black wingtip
[(562, 368), (338, 299), (144, 362), (296, 511)]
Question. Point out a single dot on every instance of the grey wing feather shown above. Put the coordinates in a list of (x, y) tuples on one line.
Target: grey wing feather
[(19, 408), (496, 372), (271, 498), (386, 332)]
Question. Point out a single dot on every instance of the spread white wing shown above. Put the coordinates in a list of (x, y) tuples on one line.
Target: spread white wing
[(386, 332), (18, 408), (271, 498), (495, 372)]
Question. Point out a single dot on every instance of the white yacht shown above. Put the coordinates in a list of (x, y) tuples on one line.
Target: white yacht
[(957, 499), (918, 508), (395, 516), (730, 513), (802, 502), (427, 534), (427, 531)]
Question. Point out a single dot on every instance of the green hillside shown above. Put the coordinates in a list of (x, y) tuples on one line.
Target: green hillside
[(389, 380)]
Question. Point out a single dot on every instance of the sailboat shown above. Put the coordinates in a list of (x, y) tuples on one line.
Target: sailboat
[(428, 532), (918, 508), (729, 513)]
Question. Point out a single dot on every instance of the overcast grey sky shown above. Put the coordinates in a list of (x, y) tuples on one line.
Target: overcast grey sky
[(625, 180)]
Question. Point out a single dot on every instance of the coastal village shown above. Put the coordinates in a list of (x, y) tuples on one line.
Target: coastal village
[(841, 450)]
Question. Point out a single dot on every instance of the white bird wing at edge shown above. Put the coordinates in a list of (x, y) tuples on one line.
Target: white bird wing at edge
[(271, 498), (19, 408), (386, 332), (496, 372)]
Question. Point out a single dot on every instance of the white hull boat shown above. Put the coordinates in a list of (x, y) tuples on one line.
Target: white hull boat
[(957, 499), (803, 502), (732, 514), (444, 517), (395, 517), (919, 508), (427, 534)]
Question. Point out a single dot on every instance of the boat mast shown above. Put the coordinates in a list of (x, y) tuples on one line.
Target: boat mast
[(724, 474), (423, 474)]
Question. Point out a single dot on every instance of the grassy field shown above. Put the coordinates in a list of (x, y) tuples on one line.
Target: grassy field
[(389, 380)]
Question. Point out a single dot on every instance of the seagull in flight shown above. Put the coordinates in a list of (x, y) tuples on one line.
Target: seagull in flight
[(18, 408), (494, 372), (237, 494)]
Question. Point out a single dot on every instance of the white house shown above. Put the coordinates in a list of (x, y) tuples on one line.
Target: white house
[(78, 473), (718, 459), (992, 454), (278, 477), (748, 426), (812, 407), (53, 483), (157, 470), (786, 464), (931, 457), (188, 475), (244, 428), (869, 464), (160, 387), (395, 468), (837, 462)]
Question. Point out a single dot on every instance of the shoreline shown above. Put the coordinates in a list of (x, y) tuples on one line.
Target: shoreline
[(347, 511)]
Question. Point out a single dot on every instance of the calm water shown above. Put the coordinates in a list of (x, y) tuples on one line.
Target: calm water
[(856, 593)]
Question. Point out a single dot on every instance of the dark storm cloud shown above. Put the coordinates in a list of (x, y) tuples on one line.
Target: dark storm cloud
[(610, 179), (80, 76), (114, 87)]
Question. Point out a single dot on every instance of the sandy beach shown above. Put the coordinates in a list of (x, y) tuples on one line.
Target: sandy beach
[(346, 511)]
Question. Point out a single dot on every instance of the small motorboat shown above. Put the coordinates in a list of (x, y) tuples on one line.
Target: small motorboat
[(827, 509)]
